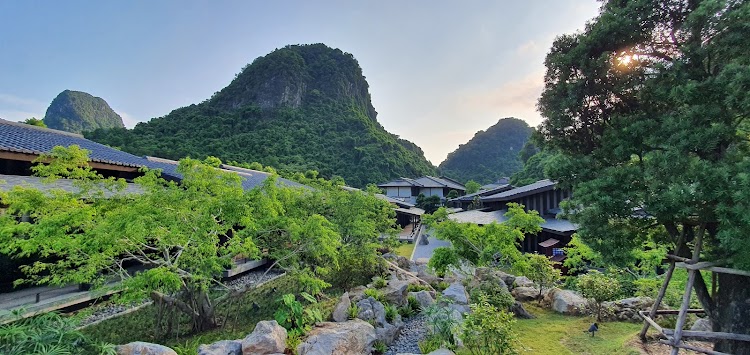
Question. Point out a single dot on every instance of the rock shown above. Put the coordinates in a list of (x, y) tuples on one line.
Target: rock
[(399, 260), (327, 338), (143, 348), (423, 272), (565, 302), (222, 347), (387, 333), (341, 311), (395, 292), (357, 293), (520, 312), (442, 352), (371, 310), (461, 308), (457, 293), (424, 298), (525, 294), (267, 338), (702, 325), (492, 275), (523, 281), (626, 309)]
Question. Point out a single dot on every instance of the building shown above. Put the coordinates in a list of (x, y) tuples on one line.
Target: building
[(405, 189), (542, 196)]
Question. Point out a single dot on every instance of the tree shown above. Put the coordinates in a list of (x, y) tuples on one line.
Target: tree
[(541, 270), (489, 330), (452, 194), (34, 122), (648, 107), (598, 287), (472, 186), (442, 258), (428, 204)]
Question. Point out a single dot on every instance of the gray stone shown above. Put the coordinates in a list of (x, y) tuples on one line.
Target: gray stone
[(492, 275), (442, 352), (424, 298), (395, 292), (399, 260), (520, 312), (341, 311), (565, 302), (353, 337), (222, 347), (702, 325), (357, 293), (387, 333), (143, 348), (525, 294), (461, 308), (457, 293), (268, 337), (371, 310), (523, 281)]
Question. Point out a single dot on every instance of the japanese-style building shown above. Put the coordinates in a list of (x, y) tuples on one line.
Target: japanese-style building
[(542, 196), (407, 190)]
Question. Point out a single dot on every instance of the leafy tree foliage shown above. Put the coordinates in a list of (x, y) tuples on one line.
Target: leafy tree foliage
[(49, 333), (489, 154), (298, 108), (76, 111), (600, 288), (428, 204), (541, 270), (34, 122), (472, 186), (489, 330), (442, 258), (648, 107)]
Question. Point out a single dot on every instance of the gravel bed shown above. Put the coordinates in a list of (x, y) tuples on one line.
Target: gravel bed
[(252, 278), (407, 342), (108, 310)]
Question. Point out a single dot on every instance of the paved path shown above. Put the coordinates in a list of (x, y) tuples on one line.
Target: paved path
[(425, 251)]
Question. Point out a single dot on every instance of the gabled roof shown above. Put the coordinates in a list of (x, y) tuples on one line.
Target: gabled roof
[(431, 181), (495, 190), (401, 182), (518, 192)]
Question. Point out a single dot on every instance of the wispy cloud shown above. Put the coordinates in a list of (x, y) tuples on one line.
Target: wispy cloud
[(128, 120), (515, 98), (15, 108)]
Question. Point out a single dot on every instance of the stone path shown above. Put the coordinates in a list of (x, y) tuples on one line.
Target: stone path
[(425, 251)]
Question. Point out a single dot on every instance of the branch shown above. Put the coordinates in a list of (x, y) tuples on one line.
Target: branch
[(171, 301)]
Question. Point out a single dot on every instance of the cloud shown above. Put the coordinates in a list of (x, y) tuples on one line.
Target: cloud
[(128, 120), (15, 108), (515, 98), (530, 48), (12, 100)]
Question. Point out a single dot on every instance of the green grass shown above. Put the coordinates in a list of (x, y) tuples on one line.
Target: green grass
[(552, 333), (240, 320), (405, 249)]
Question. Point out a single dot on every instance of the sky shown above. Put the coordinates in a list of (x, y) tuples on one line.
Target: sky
[(439, 71)]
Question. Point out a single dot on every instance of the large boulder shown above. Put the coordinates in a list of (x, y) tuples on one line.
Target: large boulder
[(424, 298), (371, 310), (352, 337), (525, 294), (268, 337), (523, 281), (143, 348), (565, 302), (357, 293), (487, 274), (395, 292), (341, 311), (456, 292), (222, 347), (520, 312), (388, 332), (702, 325), (626, 309), (399, 260)]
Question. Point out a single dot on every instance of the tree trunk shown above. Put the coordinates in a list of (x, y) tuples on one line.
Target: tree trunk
[(732, 311)]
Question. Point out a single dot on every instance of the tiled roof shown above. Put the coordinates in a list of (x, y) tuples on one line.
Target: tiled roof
[(7, 182), (495, 190), (401, 182), (431, 181), (479, 217), (539, 186), (558, 226), (23, 138)]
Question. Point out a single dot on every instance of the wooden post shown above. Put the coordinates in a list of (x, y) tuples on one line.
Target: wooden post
[(659, 298), (688, 292)]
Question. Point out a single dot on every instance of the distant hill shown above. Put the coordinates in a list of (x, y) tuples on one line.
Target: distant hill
[(301, 107), (76, 111), (489, 154)]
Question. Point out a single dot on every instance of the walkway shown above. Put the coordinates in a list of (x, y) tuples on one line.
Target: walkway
[(425, 251)]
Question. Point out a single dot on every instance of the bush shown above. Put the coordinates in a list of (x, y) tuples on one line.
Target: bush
[(430, 344), (600, 288), (390, 312), (406, 311), (412, 302), (353, 311), (441, 326), (442, 258), (441, 286), (488, 330), (493, 293), (377, 295), (293, 316), (379, 347), (379, 282), (49, 333), (417, 288)]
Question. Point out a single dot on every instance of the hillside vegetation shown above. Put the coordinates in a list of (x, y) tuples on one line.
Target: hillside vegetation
[(76, 111), (489, 154), (302, 107)]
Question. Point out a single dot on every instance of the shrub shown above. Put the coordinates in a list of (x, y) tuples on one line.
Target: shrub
[(430, 344), (379, 282), (493, 293), (488, 330), (441, 325), (292, 315), (412, 302), (49, 333), (377, 295), (390, 312), (441, 286), (406, 311), (442, 258), (416, 288), (540, 269), (599, 287), (379, 347), (353, 311)]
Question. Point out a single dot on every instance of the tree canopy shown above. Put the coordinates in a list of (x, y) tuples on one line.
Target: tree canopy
[(648, 107)]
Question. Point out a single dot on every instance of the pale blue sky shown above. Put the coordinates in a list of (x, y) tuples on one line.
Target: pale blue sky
[(438, 70)]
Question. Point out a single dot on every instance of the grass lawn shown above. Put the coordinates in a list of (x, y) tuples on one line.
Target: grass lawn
[(552, 333), (405, 249)]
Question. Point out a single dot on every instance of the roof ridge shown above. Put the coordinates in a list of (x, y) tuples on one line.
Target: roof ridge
[(44, 129)]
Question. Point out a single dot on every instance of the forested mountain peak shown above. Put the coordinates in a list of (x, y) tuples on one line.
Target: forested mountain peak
[(77, 111), (489, 154), (298, 108)]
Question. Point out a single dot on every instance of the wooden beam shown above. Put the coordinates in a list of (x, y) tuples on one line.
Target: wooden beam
[(710, 335), (650, 321), (677, 311), (96, 165), (696, 266)]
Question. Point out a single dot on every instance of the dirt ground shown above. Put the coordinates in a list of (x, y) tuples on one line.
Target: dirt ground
[(653, 347)]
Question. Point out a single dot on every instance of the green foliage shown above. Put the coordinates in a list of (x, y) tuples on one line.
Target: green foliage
[(452, 194), (416, 288), (472, 187), (412, 302), (489, 154), (442, 258), (76, 111), (442, 327), (34, 122), (541, 270), (430, 344), (533, 169), (599, 287), (579, 255), (379, 282), (379, 347), (406, 311), (293, 339), (489, 330), (292, 315), (327, 124), (49, 333), (428, 204), (490, 243), (391, 311), (493, 294), (353, 311), (376, 294)]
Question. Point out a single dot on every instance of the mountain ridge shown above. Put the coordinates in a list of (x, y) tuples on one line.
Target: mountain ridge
[(78, 111)]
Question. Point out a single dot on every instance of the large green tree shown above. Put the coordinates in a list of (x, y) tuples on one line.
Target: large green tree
[(649, 108)]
